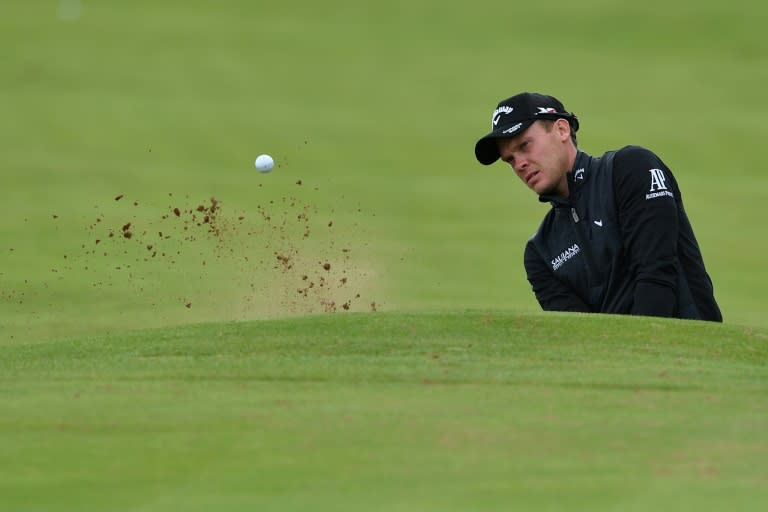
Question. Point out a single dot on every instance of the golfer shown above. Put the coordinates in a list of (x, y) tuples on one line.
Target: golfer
[(617, 239)]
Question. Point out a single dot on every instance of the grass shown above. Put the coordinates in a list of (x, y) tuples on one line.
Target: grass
[(197, 369), (376, 109), (481, 410)]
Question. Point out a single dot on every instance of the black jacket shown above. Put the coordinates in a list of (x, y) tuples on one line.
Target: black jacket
[(620, 243)]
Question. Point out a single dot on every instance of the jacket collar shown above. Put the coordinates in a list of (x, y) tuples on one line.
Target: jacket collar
[(576, 177)]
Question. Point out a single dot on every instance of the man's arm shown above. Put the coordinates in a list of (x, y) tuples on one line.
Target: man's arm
[(646, 197), (552, 294)]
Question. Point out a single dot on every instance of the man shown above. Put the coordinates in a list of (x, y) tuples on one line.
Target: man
[(617, 239)]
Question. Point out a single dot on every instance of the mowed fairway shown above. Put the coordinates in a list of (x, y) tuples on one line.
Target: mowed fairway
[(354, 331), (422, 412)]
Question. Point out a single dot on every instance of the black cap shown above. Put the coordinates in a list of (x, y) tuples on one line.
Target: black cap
[(515, 115)]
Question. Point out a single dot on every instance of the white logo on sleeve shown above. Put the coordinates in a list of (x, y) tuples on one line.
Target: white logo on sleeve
[(658, 185), (658, 180)]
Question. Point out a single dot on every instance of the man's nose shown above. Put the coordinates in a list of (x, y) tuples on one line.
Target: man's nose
[(520, 165)]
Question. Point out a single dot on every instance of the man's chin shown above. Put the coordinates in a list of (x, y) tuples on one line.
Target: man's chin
[(545, 191)]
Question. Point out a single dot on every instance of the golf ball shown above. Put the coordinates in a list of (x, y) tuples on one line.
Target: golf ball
[(264, 163)]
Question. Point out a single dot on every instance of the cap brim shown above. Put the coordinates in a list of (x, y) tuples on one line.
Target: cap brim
[(486, 150)]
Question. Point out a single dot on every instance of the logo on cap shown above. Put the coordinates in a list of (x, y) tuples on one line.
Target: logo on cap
[(497, 113), (546, 110), (513, 129)]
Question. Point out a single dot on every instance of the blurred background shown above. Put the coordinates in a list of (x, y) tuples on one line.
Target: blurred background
[(371, 112)]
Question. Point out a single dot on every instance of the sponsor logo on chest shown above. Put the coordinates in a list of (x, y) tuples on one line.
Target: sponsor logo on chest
[(565, 256)]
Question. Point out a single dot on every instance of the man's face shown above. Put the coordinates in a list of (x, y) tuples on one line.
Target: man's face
[(541, 156)]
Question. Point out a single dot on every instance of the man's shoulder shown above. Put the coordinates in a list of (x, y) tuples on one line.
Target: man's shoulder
[(624, 160), (632, 155), (634, 162), (636, 170)]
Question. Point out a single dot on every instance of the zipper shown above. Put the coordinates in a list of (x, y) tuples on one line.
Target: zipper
[(591, 266)]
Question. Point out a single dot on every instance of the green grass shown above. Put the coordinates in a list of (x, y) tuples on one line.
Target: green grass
[(376, 109), (469, 411), (202, 373)]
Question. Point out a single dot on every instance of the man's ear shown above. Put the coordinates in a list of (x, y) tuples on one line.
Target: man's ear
[(563, 129)]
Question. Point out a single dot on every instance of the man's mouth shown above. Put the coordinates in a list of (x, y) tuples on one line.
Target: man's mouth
[(530, 177)]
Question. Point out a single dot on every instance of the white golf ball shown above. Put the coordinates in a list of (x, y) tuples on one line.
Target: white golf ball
[(264, 163)]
